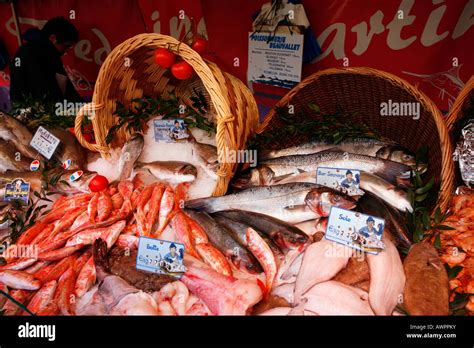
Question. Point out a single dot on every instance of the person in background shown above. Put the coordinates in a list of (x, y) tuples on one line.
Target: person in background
[(37, 70)]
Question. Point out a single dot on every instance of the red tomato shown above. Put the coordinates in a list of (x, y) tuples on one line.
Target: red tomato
[(98, 183), (164, 58), (182, 70), (71, 130), (199, 45)]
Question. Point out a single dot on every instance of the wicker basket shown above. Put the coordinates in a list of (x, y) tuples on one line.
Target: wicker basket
[(358, 92), (464, 101), (130, 72)]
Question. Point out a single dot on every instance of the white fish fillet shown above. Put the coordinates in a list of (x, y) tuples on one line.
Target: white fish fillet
[(387, 279), (334, 298), (321, 262)]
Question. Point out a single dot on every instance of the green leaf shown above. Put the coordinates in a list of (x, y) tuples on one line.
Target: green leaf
[(437, 242), (425, 188), (314, 107), (452, 271), (459, 301), (437, 216), (421, 198), (426, 221), (443, 227)]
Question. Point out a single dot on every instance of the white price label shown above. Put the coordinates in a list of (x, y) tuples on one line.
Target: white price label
[(44, 142)]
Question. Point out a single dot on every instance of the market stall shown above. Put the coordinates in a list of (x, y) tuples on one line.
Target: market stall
[(168, 196)]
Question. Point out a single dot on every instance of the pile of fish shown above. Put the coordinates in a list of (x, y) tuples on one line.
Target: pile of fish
[(457, 245)]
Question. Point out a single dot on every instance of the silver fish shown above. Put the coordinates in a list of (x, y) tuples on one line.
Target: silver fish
[(363, 146), (391, 194), (9, 159), (281, 166), (15, 132), (172, 171), (130, 153), (288, 202)]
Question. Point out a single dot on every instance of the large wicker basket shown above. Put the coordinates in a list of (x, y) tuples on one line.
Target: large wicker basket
[(358, 93), (463, 102), (130, 72)]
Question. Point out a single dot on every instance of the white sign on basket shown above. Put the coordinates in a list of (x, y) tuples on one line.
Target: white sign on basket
[(275, 59), (44, 142)]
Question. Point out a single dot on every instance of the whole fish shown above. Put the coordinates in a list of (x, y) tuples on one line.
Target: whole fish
[(392, 195), (130, 153), (395, 223), (15, 132), (284, 202), (290, 165), (239, 231), (222, 239), (171, 171), (264, 255), (363, 146), (285, 235), (9, 159), (19, 280), (69, 149)]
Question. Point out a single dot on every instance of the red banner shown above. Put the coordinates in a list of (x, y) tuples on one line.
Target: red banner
[(428, 43)]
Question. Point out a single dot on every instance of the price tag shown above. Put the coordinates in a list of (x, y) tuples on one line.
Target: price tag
[(340, 179), (160, 256), (17, 190), (359, 231), (44, 142), (170, 131)]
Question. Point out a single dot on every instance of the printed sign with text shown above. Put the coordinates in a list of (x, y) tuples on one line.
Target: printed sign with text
[(170, 131), (160, 256), (356, 230)]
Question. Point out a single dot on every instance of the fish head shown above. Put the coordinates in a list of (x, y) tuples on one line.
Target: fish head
[(247, 179), (321, 199), (290, 241), (396, 154)]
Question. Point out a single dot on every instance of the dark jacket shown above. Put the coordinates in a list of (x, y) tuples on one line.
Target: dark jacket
[(36, 74)]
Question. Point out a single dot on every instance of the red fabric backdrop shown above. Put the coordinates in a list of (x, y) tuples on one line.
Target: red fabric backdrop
[(421, 47)]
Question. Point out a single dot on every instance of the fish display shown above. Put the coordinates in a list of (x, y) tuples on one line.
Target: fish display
[(364, 146), (131, 150), (285, 166), (171, 171), (292, 202)]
